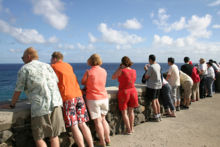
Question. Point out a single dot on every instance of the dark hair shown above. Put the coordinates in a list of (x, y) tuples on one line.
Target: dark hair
[(209, 63), (57, 55), (126, 61), (186, 59), (152, 57), (171, 60)]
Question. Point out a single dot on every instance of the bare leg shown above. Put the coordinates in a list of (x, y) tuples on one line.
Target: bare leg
[(54, 141), (126, 120), (40, 143), (187, 101), (154, 106), (77, 135), (106, 129), (131, 118), (100, 130), (86, 133), (158, 106)]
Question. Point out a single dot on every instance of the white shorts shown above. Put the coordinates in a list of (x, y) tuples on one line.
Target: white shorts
[(97, 107)]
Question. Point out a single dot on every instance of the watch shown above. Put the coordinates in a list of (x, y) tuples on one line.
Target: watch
[(12, 106)]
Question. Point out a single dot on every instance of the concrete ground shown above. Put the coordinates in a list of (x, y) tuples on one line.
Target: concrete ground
[(197, 127)]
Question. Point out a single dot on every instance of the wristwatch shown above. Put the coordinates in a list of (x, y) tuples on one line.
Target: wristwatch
[(12, 106)]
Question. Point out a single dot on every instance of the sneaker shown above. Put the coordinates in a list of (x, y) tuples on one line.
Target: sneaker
[(184, 107), (178, 108)]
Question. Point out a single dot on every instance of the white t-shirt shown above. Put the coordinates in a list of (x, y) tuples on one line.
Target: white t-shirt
[(204, 68), (211, 72), (174, 79)]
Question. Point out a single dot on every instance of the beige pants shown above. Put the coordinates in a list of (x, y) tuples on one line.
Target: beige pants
[(195, 91)]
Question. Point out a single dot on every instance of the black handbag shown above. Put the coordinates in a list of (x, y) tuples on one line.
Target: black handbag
[(144, 80)]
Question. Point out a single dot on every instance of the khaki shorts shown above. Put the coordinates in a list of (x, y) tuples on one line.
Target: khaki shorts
[(97, 107), (50, 125), (187, 87)]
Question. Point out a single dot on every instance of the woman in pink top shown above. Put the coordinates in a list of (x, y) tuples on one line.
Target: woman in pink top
[(96, 97), (127, 94)]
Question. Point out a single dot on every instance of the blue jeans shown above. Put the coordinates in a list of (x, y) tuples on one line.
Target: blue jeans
[(202, 86), (165, 95), (209, 83)]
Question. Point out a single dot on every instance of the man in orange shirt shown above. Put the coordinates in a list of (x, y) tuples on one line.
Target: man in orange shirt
[(74, 108)]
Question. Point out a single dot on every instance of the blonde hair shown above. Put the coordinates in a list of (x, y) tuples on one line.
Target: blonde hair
[(32, 53), (202, 60), (94, 60), (57, 55)]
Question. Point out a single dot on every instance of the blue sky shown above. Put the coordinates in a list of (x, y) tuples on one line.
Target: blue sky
[(111, 28)]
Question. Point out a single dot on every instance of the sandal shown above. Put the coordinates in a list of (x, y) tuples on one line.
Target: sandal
[(97, 144), (108, 143)]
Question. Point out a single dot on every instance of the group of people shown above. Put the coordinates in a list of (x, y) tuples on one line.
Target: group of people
[(190, 83), (57, 102)]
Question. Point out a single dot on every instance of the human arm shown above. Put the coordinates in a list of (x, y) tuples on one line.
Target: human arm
[(148, 73), (84, 79), (15, 97), (117, 73), (169, 73), (168, 76)]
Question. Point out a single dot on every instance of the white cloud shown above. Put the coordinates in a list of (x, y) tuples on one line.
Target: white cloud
[(184, 45), (83, 47), (218, 12), (15, 50), (178, 25), (53, 39), (215, 3), (216, 26), (112, 36), (197, 26), (26, 36), (165, 40), (162, 23), (92, 38), (66, 46), (119, 47), (51, 10), (132, 24)]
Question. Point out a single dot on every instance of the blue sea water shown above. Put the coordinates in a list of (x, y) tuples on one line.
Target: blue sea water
[(8, 75)]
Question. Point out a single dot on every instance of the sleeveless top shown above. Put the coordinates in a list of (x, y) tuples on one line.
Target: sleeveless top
[(95, 85), (127, 79)]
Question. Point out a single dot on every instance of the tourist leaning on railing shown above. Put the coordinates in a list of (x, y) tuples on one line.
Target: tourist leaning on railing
[(74, 108), (127, 94), (39, 82), (96, 97)]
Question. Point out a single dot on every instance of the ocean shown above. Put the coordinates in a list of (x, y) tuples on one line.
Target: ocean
[(8, 75)]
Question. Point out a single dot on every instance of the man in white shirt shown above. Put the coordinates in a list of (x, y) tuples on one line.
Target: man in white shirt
[(174, 80), (210, 78), (203, 75)]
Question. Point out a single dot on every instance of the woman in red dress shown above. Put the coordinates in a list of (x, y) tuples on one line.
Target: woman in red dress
[(127, 94)]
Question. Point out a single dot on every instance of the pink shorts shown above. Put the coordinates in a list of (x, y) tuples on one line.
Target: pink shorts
[(74, 111), (127, 98)]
